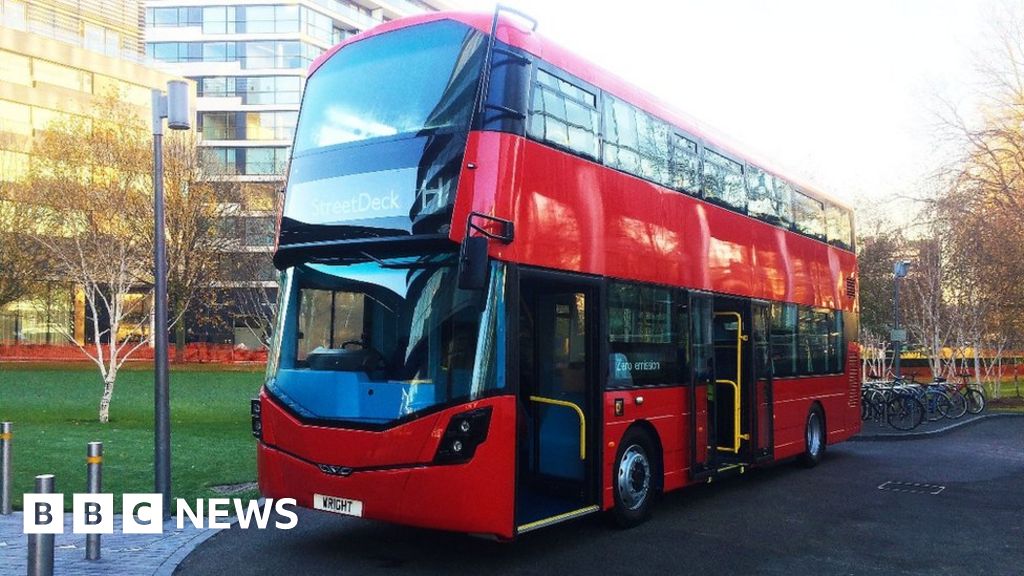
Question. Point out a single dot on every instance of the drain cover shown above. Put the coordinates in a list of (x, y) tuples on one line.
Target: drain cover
[(911, 487)]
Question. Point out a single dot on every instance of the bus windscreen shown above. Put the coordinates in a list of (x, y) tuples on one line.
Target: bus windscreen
[(381, 134)]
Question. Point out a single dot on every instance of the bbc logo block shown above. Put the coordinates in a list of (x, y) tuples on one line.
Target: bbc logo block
[(93, 514)]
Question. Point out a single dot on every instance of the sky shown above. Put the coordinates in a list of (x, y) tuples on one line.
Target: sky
[(843, 94)]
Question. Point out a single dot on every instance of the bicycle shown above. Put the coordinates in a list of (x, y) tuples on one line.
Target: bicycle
[(975, 397), (936, 401), (957, 402)]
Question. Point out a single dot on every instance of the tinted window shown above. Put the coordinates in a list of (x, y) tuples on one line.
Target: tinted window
[(806, 341), (808, 215), (839, 227), (647, 336), (783, 339), (636, 142), (814, 327), (701, 314), (563, 114), (685, 165), (723, 180), (769, 197)]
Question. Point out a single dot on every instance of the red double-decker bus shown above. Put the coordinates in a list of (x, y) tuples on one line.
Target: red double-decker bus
[(516, 290)]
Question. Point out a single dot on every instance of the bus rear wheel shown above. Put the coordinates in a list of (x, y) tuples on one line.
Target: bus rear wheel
[(814, 438), (633, 479)]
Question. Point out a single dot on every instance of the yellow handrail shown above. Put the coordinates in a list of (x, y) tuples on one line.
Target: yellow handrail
[(738, 436), (579, 413)]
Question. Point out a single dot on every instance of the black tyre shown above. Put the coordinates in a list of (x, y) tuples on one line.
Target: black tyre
[(957, 405), (814, 438), (937, 405), (904, 412), (975, 400), (634, 474)]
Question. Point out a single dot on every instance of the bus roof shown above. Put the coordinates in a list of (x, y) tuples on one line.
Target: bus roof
[(512, 31)]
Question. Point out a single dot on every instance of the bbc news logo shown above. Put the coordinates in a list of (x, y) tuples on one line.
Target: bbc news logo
[(143, 513)]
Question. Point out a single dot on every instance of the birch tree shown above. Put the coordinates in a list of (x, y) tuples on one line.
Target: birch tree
[(89, 196)]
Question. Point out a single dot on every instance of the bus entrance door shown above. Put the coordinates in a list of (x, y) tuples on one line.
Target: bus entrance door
[(762, 425), (731, 387), (556, 398)]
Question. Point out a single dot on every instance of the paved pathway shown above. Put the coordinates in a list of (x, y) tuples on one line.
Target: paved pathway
[(127, 554), (871, 430)]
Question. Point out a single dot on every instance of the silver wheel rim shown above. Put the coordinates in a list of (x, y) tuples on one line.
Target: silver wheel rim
[(634, 477), (813, 434)]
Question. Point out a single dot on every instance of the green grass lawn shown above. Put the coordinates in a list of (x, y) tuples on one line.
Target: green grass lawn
[(54, 411)]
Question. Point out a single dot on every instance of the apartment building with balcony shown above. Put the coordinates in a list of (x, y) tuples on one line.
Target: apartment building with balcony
[(249, 60)]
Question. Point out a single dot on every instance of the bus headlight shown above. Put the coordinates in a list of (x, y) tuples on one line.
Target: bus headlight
[(255, 409), (464, 433)]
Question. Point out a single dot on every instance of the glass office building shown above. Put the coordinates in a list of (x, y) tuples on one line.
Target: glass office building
[(56, 56), (249, 60)]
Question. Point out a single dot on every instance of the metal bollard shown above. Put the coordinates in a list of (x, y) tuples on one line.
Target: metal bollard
[(5, 467), (40, 546), (94, 482)]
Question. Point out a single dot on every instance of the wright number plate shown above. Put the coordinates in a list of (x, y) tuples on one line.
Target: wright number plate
[(338, 505)]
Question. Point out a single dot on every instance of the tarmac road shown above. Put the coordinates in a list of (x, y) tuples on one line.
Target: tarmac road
[(833, 519)]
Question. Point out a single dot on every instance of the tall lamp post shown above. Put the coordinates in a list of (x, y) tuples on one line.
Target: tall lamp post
[(174, 107), (899, 271)]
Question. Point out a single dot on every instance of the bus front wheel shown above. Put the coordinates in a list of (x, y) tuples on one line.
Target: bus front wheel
[(814, 438), (633, 479)]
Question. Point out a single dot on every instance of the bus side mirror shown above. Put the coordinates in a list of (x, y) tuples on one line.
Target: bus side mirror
[(473, 263)]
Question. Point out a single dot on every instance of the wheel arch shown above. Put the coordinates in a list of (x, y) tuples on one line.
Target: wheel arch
[(658, 457)]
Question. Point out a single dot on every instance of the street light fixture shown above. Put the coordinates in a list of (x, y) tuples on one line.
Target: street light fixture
[(900, 268), (174, 107)]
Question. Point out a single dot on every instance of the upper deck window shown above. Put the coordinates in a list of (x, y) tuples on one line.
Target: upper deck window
[(769, 198), (839, 226), (564, 114), (723, 180), (685, 167), (636, 142), (809, 215)]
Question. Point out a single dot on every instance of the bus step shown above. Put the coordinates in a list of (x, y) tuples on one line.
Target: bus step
[(556, 519)]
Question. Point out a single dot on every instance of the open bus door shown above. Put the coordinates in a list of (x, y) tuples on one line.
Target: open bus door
[(559, 369), (763, 416), (731, 392)]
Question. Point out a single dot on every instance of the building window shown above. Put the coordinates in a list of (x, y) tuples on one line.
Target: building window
[(723, 181), (15, 119), (564, 114), (255, 54), (270, 125), (221, 161), (259, 231), (265, 161), (219, 126), (15, 68), (13, 15), (63, 76)]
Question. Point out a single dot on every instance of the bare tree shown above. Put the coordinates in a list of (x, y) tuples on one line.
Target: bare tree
[(89, 194), (197, 202), (927, 312), (20, 259)]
